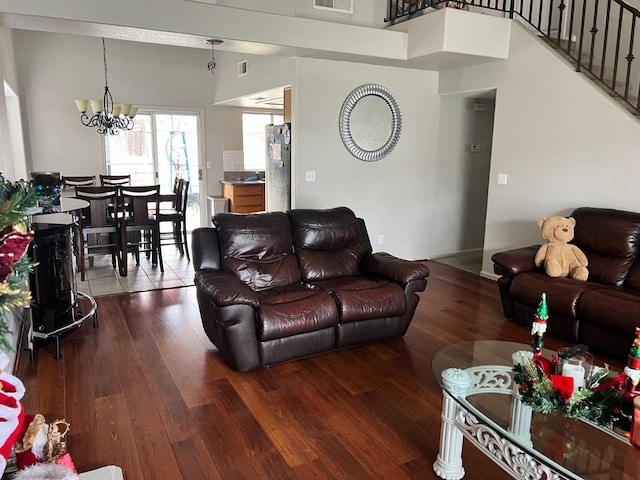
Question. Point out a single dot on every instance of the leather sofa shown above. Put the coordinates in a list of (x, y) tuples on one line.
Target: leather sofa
[(602, 312), (273, 287)]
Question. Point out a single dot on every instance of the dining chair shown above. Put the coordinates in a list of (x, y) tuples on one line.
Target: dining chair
[(139, 229), (97, 226), (176, 216), (70, 182), (176, 187), (106, 180)]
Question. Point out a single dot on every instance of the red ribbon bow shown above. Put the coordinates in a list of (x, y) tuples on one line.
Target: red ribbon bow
[(564, 385)]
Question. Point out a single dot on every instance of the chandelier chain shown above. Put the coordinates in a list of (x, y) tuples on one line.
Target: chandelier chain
[(104, 56)]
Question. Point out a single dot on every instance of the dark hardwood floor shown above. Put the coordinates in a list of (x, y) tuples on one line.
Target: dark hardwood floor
[(147, 391)]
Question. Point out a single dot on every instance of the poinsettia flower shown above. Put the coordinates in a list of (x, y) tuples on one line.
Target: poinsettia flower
[(564, 385)]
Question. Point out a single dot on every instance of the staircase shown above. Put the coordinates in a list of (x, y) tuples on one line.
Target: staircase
[(596, 36), (603, 77)]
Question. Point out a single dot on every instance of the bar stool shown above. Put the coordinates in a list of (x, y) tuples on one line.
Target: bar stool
[(138, 224), (177, 217), (111, 180), (98, 232)]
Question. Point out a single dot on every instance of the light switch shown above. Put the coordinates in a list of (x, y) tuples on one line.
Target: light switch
[(502, 179), (311, 176)]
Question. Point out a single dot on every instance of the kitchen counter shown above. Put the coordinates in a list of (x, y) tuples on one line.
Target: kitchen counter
[(244, 196), (242, 182)]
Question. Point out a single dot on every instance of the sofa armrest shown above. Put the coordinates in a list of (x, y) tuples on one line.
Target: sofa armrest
[(225, 289), (512, 262), (394, 268)]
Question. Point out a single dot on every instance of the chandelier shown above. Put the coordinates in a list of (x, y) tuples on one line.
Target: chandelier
[(107, 117)]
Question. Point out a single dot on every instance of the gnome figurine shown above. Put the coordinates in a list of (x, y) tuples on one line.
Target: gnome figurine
[(538, 328)]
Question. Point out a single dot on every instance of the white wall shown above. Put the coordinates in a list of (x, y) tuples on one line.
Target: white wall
[(55, 69), (562, 141), (8, 75), (264, 72), (395, 195), (224, 126)]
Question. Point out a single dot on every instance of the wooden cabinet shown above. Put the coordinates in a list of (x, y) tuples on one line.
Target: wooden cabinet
[(244, 197)]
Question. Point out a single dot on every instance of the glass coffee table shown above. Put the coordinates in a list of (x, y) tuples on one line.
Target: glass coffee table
[(479, 403)]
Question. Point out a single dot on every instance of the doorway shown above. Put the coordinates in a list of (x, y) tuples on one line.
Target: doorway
[(464, 164), (18, 167), (161, 146)]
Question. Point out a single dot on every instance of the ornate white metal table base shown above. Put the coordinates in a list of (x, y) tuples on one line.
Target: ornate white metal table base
[(459, 422)]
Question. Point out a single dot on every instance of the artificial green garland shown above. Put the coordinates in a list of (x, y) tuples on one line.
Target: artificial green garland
[(598, 405), (15, 200)]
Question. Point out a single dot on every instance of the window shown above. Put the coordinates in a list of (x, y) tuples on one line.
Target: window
[(254, 138), (162, 145)]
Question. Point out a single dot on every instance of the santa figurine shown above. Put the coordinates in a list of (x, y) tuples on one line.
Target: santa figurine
[(11, 410), (631, 387)]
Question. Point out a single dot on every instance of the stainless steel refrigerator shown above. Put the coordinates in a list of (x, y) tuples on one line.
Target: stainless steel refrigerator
[(278, 169)]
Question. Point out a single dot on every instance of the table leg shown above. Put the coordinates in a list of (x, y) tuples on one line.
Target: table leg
[(448, 465), (520, 424), (58, 355)]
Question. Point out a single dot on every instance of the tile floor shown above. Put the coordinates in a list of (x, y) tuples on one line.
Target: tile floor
[(103, 279), (470, 261)]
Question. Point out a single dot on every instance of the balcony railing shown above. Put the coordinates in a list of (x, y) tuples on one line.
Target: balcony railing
[(597, 36)]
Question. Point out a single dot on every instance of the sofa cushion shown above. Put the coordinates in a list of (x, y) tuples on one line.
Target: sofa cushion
[(632, 281), (328, 243), (611, 308), (562, 293), (294, 309), (610, 239), (258, 249), (364, 298)]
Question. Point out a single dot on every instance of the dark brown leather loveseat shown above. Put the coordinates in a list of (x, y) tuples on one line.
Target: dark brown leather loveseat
[(601, 312), (272, 287)]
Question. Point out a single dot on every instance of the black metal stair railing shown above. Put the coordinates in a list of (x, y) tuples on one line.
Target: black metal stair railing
[(597, 36)]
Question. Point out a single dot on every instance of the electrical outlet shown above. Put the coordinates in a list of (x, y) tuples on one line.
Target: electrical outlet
[(311, 176), (380, 239), (502, 179)]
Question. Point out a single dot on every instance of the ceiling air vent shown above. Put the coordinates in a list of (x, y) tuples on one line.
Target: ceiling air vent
[(342, 6)]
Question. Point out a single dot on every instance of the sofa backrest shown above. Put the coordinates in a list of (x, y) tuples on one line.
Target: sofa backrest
[(258, 249), (610, 239), (328, 243)]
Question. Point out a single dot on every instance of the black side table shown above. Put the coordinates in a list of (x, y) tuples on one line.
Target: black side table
[(55, 307)]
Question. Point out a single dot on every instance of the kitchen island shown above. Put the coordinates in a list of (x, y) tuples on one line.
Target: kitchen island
[(244, 196)]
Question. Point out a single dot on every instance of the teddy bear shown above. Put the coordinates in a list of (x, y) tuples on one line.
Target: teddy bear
[(559, 257)]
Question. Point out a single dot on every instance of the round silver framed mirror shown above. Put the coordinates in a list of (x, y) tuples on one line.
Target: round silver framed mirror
[(370, 122)]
